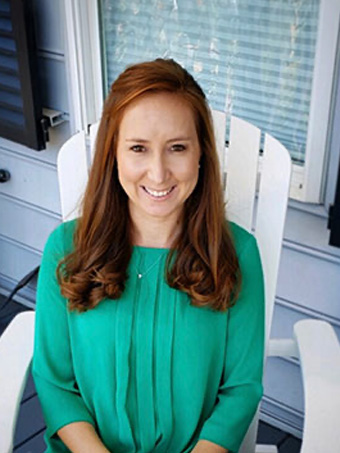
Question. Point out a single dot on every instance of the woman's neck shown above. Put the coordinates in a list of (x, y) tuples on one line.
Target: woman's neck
[(156, 233)]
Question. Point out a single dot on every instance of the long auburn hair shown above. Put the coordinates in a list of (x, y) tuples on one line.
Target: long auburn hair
[(202, 262)]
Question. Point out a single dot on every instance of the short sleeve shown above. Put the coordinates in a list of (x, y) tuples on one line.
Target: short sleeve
[(52, 368), (241, 386)]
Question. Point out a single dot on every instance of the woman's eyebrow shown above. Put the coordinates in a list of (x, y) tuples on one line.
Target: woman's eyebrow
[(179, 139), (140, 140), (143, 140)]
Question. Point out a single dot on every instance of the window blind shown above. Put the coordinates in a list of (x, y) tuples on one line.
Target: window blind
[(20, 108), (253, 58)]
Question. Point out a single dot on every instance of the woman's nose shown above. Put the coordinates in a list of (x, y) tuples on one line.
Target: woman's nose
[(158, 169)]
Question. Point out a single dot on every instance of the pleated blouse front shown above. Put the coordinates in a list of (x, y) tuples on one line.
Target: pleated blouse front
[(147, 370)]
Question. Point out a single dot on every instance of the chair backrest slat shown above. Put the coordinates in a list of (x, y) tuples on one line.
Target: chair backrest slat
[(242, 168), (93, 135), (220, 122), (270, 216), (72, 175)]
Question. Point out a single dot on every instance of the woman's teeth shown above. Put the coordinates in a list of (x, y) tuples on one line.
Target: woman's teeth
[(156, 193)]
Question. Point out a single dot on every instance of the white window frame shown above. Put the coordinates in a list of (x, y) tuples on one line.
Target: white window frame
[(86, 81), (84, 63)]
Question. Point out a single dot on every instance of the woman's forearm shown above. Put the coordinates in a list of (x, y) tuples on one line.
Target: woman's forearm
[(81, 437), (205, 446)]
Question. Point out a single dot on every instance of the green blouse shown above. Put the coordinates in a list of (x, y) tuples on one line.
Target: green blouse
[(150, 372)]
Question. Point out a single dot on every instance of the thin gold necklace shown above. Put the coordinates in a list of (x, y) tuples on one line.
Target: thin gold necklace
[(141, 274)]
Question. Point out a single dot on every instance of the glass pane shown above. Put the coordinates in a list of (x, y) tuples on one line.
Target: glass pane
[(253, 58)]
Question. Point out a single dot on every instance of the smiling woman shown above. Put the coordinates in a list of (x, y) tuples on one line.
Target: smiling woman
[(159, 169), (156, 300)]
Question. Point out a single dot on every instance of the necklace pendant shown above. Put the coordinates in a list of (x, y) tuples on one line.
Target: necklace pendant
[(140, 275)]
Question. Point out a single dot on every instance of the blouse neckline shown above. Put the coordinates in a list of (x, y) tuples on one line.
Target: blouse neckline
[(142, 248)]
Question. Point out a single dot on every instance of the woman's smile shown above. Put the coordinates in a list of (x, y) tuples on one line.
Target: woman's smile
[(159, 194)]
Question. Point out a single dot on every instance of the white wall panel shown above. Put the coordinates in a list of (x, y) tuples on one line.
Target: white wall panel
[(31, 181), (281, 416), (283, 395), (306, 225), (16, 260), (310, 281), (25, 224), (286, 314), (283, 378)]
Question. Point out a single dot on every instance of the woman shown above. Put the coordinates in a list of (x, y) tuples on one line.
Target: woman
[(149, 330)]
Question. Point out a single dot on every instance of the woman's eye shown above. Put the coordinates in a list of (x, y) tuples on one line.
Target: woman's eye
[(178, 147), (137, 148)]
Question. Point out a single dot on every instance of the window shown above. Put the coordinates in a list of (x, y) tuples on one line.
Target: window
[(253, 59), (21, 118), (270, 63)]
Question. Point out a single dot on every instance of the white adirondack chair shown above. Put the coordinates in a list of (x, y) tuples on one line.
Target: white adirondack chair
[(314, 342)]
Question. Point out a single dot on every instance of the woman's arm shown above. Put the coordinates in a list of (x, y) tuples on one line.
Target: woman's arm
[(241, 385), (52, 366), (81, 437), (205, 446)]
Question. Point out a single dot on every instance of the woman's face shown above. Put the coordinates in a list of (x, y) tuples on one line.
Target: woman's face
[(158, 156)]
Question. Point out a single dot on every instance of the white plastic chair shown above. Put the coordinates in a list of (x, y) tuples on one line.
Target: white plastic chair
[(16, 349)]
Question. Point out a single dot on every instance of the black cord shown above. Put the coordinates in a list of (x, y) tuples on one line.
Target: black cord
[(23, 282)]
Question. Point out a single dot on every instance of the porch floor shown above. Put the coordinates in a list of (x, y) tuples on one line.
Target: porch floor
[(31, 426)]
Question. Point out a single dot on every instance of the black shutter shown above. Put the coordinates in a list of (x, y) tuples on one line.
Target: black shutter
[(334, 216), (21, 118)]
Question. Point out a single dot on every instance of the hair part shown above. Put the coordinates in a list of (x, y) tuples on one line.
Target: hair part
[(202, 261)]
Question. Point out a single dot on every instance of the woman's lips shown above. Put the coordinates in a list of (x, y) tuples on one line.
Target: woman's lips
[(158, 194)]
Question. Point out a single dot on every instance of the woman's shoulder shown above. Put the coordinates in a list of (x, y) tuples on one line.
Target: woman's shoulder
[(61, 238), (241, 237)]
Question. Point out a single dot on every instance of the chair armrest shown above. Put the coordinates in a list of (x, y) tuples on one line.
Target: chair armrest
[(319, 352), (16, 350), (282, 347)]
